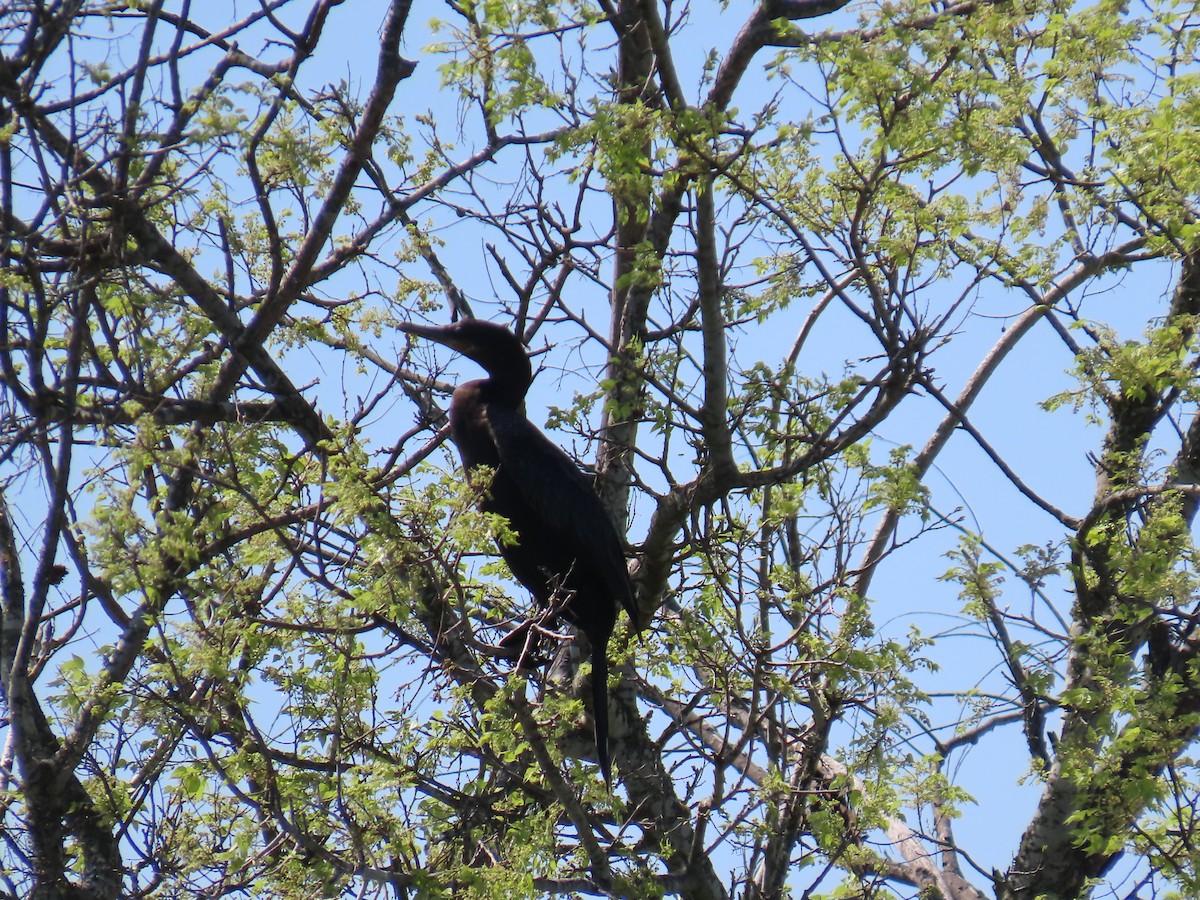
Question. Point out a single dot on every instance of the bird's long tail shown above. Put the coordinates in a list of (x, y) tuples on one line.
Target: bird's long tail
[(600, 705)]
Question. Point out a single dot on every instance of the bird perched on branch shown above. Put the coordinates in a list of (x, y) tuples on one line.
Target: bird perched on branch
[(567, 551)]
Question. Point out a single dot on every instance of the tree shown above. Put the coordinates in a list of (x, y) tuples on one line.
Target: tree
[(247, 607)]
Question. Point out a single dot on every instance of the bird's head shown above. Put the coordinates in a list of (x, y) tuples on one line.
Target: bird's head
[(492, 346)]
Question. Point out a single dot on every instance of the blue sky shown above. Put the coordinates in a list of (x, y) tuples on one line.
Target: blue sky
[(1048, 449)]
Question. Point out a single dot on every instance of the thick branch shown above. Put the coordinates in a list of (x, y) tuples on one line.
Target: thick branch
[(392, 69)]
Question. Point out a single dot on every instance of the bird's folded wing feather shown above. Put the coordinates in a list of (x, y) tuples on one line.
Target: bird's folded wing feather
[(562, 496)]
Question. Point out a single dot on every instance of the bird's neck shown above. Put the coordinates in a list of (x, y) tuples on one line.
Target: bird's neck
[(503, 389)]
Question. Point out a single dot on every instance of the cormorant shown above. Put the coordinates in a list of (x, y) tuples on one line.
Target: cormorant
[(567, 552)]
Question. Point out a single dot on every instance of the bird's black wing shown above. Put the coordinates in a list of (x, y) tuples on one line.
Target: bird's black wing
[(563, 498)]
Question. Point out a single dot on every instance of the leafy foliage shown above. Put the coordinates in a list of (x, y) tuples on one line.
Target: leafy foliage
[(790, 293)]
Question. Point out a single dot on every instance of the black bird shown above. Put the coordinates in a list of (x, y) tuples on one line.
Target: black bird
[(567, 552)]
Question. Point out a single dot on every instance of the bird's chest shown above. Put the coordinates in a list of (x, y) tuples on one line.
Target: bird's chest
[(477, 445), (472, 435), (540, 555)]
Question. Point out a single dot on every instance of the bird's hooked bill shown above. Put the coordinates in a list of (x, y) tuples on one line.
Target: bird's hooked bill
[(441, 334)]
